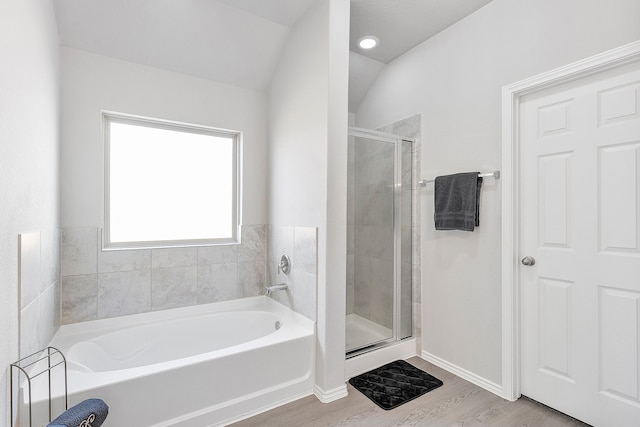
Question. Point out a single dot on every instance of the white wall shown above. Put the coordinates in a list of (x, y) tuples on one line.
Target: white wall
[(332, 302), (28, 152), (307, 131), (91, 83), (455, 80), (298, 125), (363, 71)]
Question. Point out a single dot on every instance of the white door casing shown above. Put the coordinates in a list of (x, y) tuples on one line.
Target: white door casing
[(571, 197)]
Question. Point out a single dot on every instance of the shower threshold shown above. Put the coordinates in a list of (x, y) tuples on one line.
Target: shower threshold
[(362, 333)]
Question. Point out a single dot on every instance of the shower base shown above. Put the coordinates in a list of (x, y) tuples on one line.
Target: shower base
[(399, 350), (362, 332)]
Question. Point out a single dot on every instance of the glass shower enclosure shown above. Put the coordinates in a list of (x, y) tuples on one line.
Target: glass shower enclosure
[(379, 240)]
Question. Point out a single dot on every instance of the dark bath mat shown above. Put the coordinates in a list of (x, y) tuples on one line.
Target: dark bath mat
[(395, 383)]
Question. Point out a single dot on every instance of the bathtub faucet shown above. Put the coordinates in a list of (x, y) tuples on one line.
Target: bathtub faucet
[(278, 287)]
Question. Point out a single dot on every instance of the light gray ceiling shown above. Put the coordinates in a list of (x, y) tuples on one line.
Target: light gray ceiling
[(400, 25), (236, 42), (363, 71), (285, 12), (239, 42), (403, 24)]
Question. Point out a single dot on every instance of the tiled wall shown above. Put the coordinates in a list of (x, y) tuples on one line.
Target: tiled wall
[(411, 128), (39, 267), (99, 284), (300, 244)]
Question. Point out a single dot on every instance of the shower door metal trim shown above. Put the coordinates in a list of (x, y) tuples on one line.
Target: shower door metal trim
[(397, 239), (396, 140)]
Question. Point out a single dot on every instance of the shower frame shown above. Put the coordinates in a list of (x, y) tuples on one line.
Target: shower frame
[(397, 141)]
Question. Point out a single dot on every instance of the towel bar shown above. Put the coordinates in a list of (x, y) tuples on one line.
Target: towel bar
[(494, 175)]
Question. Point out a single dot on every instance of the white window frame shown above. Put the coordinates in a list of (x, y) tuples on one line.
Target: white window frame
[(109, 117)]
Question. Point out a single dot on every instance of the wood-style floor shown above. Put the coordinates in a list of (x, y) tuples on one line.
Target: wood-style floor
[(456, 403)]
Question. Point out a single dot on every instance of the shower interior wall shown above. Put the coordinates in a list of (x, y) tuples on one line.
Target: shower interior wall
[(370, 248)]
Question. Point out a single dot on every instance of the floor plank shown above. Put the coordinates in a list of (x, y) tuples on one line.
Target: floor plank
[(457, 403)]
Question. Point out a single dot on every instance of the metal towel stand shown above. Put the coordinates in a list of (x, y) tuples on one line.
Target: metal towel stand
[(49, 355)]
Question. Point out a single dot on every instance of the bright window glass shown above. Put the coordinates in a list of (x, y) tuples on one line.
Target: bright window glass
[(169, 184)]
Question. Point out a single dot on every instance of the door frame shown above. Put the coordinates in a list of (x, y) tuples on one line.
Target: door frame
[(511, 98)]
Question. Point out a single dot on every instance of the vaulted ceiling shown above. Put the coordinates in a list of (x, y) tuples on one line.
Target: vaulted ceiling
[(402, 25), (239, 42), (205, 38)]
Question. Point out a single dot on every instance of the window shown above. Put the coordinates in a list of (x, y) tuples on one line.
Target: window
[(169, 184)]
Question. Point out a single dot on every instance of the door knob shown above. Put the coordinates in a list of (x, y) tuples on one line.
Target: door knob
[(528, 260)]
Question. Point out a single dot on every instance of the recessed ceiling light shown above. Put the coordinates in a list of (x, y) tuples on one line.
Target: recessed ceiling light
[(368, 42)]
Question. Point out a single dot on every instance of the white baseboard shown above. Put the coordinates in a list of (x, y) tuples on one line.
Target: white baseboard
[(255, 412), (330, 395), (463, 373), (367, 361)]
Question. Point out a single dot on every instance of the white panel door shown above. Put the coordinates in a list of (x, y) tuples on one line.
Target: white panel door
[(580, 218)]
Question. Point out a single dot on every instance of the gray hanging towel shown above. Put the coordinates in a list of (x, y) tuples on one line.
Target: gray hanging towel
[(457, 199)]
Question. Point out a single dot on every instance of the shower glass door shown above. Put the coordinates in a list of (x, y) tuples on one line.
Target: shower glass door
[(376, 314)]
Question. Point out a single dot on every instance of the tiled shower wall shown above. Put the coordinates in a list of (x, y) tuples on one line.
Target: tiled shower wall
[(99, 284), (39, 267), (411, 128)]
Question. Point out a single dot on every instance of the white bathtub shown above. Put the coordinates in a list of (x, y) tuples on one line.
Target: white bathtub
[(197, 366)]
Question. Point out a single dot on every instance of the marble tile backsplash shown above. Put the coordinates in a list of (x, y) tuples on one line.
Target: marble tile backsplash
[(300, 244), (39, 272), (97, 284)]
